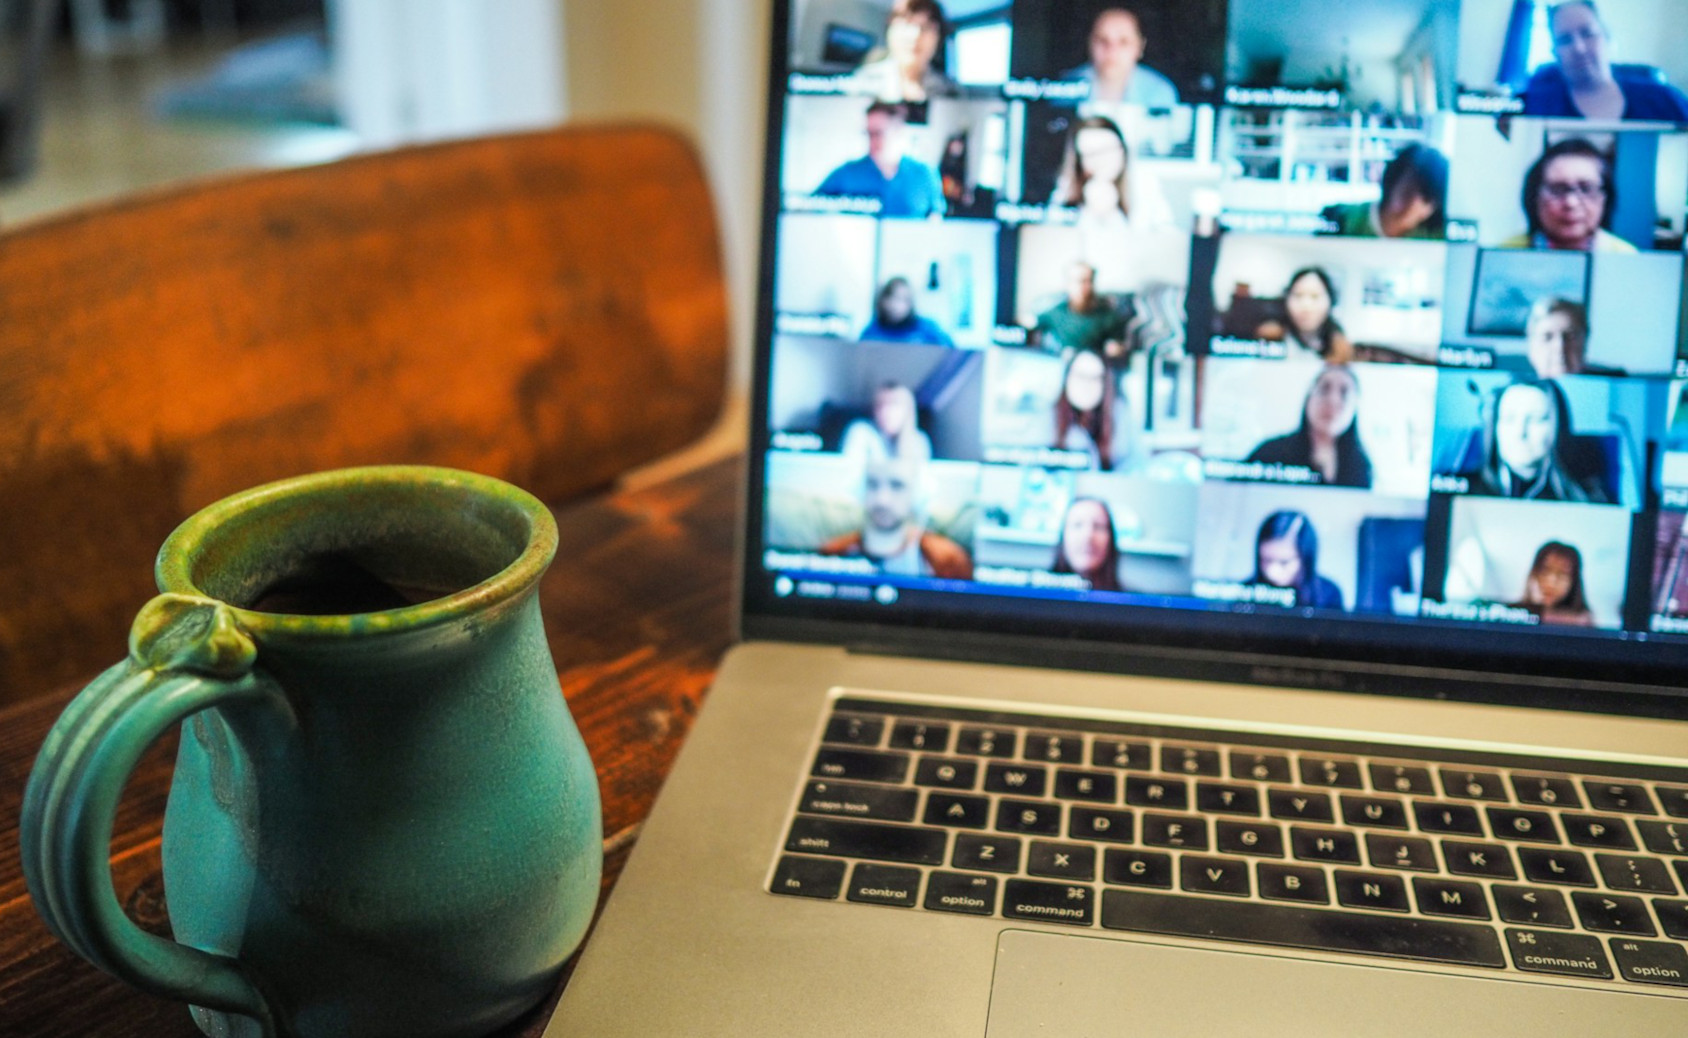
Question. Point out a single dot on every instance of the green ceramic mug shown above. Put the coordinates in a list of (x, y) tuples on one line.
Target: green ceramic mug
[(383, 821)]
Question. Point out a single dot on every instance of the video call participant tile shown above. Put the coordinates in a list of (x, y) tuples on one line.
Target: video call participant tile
[(909, 51), (1153, 53), (1050, 409)]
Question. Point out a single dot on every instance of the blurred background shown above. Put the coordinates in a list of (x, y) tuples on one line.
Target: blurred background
[(102, 98)]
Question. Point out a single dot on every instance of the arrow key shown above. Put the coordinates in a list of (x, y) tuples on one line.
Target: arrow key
[(1613, 913)]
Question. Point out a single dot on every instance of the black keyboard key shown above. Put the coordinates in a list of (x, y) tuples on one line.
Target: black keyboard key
[(1513, 824), (1665, 837), (1450, 897), (1673, 916), (1472, 785), (1027, 780), (1531, 906), (1652, 962), (1546, 790), (1374, 812), (1478, 859), (1137, 868), (946, 773), (1036, 817), (1613, 913), (1293, 883), (850, 800), (1453, 819), (844, 839), (1055, 747), (1400, 852), (1118, 753), (884, 885), (1093, 823), (1674, 799), (1203, 875), (1097, 787), (1167, 794), (1294, 805), (1625, 797), (1567, 868), (1049, 902), (1681, 868), (861, 765), (1331, 773), (955, 892), (854, 731), (1405, 779), (1190, 760), (1262, 839), (959, 810), (1634, 875), (1061, 861), (1289, 926), (1608, 831), (1371, 890), (1260, 767), (1329, 845), (926, 736), (986, 742), (808, 877), (986, 853), (1227, 800), (1561, 954), (1185, 832)]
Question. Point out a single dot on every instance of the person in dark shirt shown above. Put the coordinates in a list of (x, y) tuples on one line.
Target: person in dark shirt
[(1582, 83), (1328, 439), (1527, 424), (895, 319), (1306, 322), (903, 186), (1286, 555), (1084, 321)]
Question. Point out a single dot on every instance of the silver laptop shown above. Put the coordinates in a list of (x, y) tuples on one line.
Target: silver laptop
[(1216, 555)]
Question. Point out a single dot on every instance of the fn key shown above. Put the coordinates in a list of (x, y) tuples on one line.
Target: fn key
[(808, 877)]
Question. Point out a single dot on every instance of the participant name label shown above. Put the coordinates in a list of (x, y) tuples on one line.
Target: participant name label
[(813, 563), (1030, 578), (1046, 90), (1039, 457), (1669, 625), (805, 442), (1466, 357), (1014, 212), (845, 204), (1235, 591), (1260, 472), (1263, 349), (1282, 97), (1248, 221), (800, 83), (1491, 612), (834, 326), (1488, 104)]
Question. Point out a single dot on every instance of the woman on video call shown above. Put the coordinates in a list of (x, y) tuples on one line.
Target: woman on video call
[(1125, 226), (1328, 440), (1089, 415), (902, 71), (893, 432), (1412, 204), (1569, 198), (1523, 438), (1306, 323), (895, 319), (1088, 547), (1580, 82), (1286, 555), (1554, 589)]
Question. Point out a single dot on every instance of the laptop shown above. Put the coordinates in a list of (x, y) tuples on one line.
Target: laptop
[(1216, 546)]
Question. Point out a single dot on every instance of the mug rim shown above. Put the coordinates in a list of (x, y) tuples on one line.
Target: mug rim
[(178, 555)]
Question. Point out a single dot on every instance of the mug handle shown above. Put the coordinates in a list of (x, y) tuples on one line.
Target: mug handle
[(186, 654)]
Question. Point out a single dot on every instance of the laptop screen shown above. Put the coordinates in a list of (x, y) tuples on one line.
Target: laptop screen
[(1342, 328)]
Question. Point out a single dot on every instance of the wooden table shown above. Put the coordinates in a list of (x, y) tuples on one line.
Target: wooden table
[(637, 609)]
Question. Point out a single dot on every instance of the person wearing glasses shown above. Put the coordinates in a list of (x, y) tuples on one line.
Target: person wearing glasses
[(1581, 82), (902, 70), (1569, 197)]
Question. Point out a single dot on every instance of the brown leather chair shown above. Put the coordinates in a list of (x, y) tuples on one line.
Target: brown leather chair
[(545, 308)]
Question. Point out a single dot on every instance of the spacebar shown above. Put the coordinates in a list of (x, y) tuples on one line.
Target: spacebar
[(1401, 937)]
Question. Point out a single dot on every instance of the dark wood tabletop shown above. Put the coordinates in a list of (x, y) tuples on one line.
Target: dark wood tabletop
[(637, 607)]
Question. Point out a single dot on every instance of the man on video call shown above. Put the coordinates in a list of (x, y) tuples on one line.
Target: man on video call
[(1083, 320), (1581, 82), (1115, 72), (903, 186), (892, 534)]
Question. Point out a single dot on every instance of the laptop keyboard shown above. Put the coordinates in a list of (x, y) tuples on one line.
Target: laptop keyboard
[(1513, 863)]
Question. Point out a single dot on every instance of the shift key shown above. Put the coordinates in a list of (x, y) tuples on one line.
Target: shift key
[(867, 840)]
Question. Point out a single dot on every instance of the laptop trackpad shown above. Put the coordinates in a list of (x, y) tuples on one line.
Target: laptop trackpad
[(1088, 987)]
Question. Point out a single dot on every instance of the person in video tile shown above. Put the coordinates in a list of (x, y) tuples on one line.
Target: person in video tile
[(1582, 81), (892, 534), (1556, 339), (1116, 72), (1569, 198), (1286, 555), (1306, 323), (1554, 590), (1096, 179), (1084, 321), (903, 186), (893, 432), (1413, 204), (1328, 440), (895, 319), (903, 70), (1088, 547), (1087, 413), (1521, 448)]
